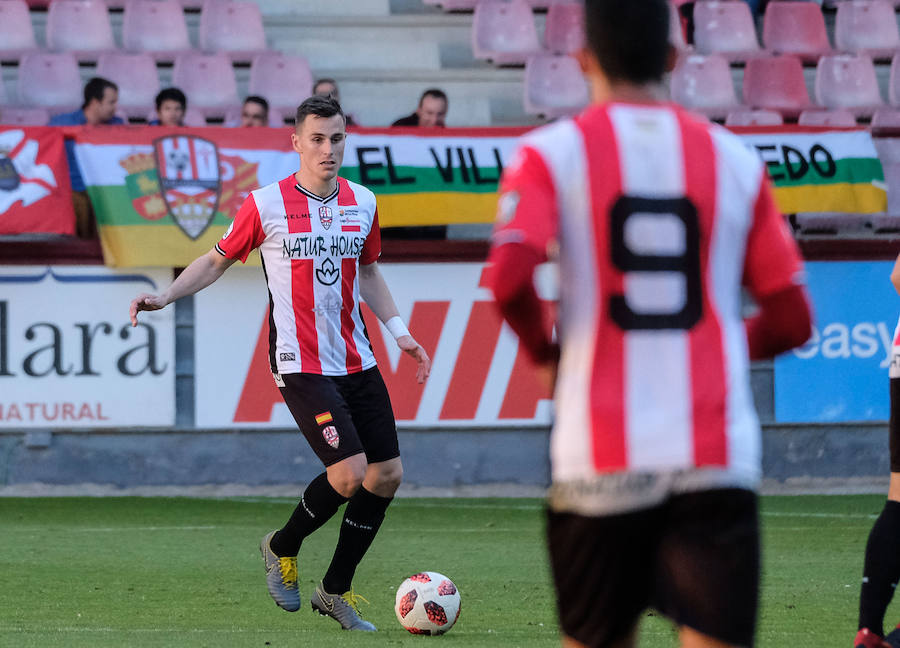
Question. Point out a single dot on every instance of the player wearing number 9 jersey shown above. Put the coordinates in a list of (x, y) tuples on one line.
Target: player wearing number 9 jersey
[(657, 219)]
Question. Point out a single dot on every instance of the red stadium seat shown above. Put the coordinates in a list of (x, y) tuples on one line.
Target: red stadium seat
[(776, 83), (156, 27), (848, 81), (754, 118), (81, 27), (235, 28), (725, 28), (886, 118), (208, 81), (16, 32), (50, 80), (839, 118), (867, 27), (136, 76), (795, 28), (894, 81), (504, 32), (15, 116), (703, 83), (554, 86), (564, 28), (285, 81)]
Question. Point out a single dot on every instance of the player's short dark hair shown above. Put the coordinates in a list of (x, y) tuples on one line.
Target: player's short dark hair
[(171, 94), (320, 106), (437, 93), (630, 38), (95, 88), (258, 100)]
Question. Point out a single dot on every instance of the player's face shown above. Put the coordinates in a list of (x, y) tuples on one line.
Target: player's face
[(170, 113), (432, 111), (320, 142)]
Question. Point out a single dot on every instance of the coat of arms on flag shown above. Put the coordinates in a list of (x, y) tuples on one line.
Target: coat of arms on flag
[(188, 168)]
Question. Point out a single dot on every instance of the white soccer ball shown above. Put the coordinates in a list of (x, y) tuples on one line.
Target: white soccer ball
[(427, 603)]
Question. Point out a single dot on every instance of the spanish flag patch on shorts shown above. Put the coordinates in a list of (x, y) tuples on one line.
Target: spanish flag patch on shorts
[(323, 418)]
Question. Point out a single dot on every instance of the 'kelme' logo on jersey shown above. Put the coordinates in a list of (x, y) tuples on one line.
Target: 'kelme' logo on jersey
[(325, 216), (188, 169), (328, 274)]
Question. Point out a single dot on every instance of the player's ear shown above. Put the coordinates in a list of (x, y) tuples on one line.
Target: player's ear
[(295, 141)]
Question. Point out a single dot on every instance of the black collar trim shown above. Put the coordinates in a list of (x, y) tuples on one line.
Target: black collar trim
[(310, 194)]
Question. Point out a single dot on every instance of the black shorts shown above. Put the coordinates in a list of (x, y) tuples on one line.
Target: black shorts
[(695, 558), (341, 416), (894, 425)]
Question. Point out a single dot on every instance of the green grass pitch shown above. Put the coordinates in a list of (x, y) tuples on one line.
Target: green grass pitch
[(187, 572)]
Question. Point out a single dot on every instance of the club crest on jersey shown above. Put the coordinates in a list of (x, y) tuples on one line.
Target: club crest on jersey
[(188, 170), (325, 216), (331, 436)]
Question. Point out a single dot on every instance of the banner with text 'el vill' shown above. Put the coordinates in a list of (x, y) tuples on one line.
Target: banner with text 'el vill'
[(164, 196)]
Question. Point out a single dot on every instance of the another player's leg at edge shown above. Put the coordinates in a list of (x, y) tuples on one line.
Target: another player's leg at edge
[(368, 489)]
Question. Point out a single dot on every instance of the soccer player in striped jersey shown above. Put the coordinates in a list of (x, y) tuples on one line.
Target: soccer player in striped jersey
[(881, 570), (657, 219), (319, 243)]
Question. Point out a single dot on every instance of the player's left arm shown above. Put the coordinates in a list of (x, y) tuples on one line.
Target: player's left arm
[(374, 290)]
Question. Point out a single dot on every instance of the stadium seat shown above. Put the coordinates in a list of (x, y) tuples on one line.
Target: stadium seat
[(725, 28), (136, 76), (867, 27), (848, 81), (839, 118), (207, 80), (703, 83), (285, 81), (50, 81), (754, 118), (776, 83), (554, 86), (676, 31), (894, 81), (156, 27), (235, 28), (564, 28), (16, 32), (504, 32), (795, 28), (887, 117), (81, 27), (14, 116)]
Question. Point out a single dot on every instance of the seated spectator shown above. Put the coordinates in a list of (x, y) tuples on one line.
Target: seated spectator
[(431, 112), (171, 105), (254, 112), (99, 107), (328, 88)]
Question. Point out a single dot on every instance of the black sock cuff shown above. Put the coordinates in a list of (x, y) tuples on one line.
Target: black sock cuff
[(320, 494), (368, 506), (892, 508)]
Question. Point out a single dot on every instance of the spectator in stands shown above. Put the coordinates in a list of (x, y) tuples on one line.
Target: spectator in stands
[(171, 105), (254, 112), (99, 107), (431, 112), (328, 88)]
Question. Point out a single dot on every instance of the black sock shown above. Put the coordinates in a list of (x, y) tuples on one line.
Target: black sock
[(363, 517), (317, 504), (882, 568)]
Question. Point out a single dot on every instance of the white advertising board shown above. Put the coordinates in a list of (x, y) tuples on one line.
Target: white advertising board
[(69, 357), (479, 376)]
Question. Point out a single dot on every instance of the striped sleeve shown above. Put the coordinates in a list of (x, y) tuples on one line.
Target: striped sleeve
[(244, 234)]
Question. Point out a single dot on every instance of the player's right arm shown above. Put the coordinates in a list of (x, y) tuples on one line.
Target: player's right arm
[(244, 234), (198, 275)]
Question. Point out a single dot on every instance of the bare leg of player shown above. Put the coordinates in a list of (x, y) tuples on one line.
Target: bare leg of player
[(690, 638), (894, 488), (383, 478)]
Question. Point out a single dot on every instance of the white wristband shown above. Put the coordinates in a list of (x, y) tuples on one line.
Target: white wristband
[(396, 327)]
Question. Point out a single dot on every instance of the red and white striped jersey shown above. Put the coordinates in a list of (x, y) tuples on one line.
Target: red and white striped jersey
[(310, 247), (657, 219)]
